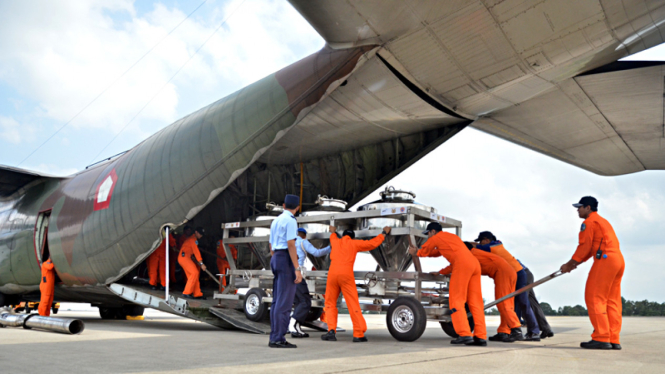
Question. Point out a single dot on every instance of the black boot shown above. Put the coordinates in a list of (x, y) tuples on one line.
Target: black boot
[(592, 344), (359, 340), (298, 333), (531, 337), (477, 341), (516, 334), (546, 334), (282, 344), (616, 346), (330, 336), (462, 340), (498, 337)]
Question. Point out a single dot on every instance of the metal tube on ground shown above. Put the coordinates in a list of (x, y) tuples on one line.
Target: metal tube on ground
[(35, 321)]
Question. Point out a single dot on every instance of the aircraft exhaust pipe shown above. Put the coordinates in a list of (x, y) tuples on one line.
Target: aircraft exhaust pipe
[(35, 321)]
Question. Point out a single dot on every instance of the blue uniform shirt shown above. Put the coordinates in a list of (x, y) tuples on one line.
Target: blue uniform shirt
[(283, 229), (303, 245)]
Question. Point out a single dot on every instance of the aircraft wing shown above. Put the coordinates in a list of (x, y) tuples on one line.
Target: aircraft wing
[(608, 121), (12, 179), (542, 74)]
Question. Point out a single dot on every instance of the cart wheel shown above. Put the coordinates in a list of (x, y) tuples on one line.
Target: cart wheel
[(450, 330), (313, 314), (406, 319), (108, 313), (255, 309)]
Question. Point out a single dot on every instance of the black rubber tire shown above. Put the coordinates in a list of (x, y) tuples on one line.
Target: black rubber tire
[(108, 313), (450, 330), (411, 313), (313, 314), (254, 301)]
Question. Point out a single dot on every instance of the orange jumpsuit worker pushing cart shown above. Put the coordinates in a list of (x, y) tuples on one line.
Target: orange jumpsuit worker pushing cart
[(340, 278), (222, 262), (464, 282), (189, 248), (47, 288), (603, 287)]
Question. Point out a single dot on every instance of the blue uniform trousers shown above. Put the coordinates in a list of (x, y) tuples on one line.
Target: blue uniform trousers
[(283, 291), (302, 301), (522, 304)]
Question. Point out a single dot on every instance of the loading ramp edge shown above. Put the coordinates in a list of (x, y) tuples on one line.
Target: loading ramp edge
[(238, 320), (177, 306)]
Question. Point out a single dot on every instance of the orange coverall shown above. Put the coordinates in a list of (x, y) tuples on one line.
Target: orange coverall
[(341, 278), (157, 263), (464, 284), (603, 286), (504, 277), (46, 288), (499, 250), (180, 241), (223, 263), (190, 247)]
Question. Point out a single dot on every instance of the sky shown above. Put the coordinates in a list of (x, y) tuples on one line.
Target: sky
[(95, 78)]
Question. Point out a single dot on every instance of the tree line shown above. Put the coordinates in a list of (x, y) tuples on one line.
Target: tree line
[(630, 308)]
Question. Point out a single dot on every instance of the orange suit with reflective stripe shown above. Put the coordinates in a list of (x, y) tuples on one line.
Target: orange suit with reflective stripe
[(340, 278), (46, 288), (464, 284), (603, 286), (189, 248), (157, 263), (222, 263), (504, 277)]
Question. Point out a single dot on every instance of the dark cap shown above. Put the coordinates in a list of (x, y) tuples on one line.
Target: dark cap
[(485, 235), (432, 226), (302, 230), (291, 201), (587, 201), (349, 233), (200, 230)]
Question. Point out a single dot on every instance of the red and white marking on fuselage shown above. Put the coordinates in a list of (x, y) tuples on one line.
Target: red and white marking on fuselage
[(105, 191)]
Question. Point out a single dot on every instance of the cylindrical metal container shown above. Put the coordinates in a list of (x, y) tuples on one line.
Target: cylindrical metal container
[(35, 321), (325, 205), (393, 199)]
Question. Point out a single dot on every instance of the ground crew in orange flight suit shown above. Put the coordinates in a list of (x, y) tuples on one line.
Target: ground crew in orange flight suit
[(157, 264), (340, 278), (603, 286), (190, 247), (186, 233), (464, 282), (222, 263), (504, 277), (47, 288)]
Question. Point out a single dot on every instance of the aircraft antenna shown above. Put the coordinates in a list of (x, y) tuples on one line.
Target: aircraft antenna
[(111, 85), (169, 81)]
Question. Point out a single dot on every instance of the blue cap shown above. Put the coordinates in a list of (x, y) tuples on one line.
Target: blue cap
[(291, 201), (302, 230)]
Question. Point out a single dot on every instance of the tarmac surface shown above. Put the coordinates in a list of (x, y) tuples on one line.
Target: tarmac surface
[(164, 343)]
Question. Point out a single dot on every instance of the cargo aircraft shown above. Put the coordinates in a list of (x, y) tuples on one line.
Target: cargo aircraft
[(395, 80)]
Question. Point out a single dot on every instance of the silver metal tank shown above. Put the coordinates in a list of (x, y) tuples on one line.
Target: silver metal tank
[(258, 255), (392, 198), (393, 254), (324, 205)]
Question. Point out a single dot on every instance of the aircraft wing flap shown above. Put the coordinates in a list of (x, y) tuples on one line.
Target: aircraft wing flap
[(608, 121)]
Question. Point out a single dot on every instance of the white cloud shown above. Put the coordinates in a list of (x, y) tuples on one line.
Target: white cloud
[(64, 54), (53, 170), (13, 132)]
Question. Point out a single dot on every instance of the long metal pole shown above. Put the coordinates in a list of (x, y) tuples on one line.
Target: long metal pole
[(167, 266), (525, 288), (302, 180)]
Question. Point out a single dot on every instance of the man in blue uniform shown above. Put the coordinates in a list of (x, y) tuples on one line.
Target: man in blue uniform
[(303, 301), (286, 271)]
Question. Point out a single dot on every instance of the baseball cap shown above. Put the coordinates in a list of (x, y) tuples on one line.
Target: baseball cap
[(200, 230), (485, 235), (432, 226), (587, 201), (302, 230)]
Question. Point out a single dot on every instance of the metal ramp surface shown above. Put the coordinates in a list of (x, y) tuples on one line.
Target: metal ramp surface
[(238, 319), (193, 309)]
